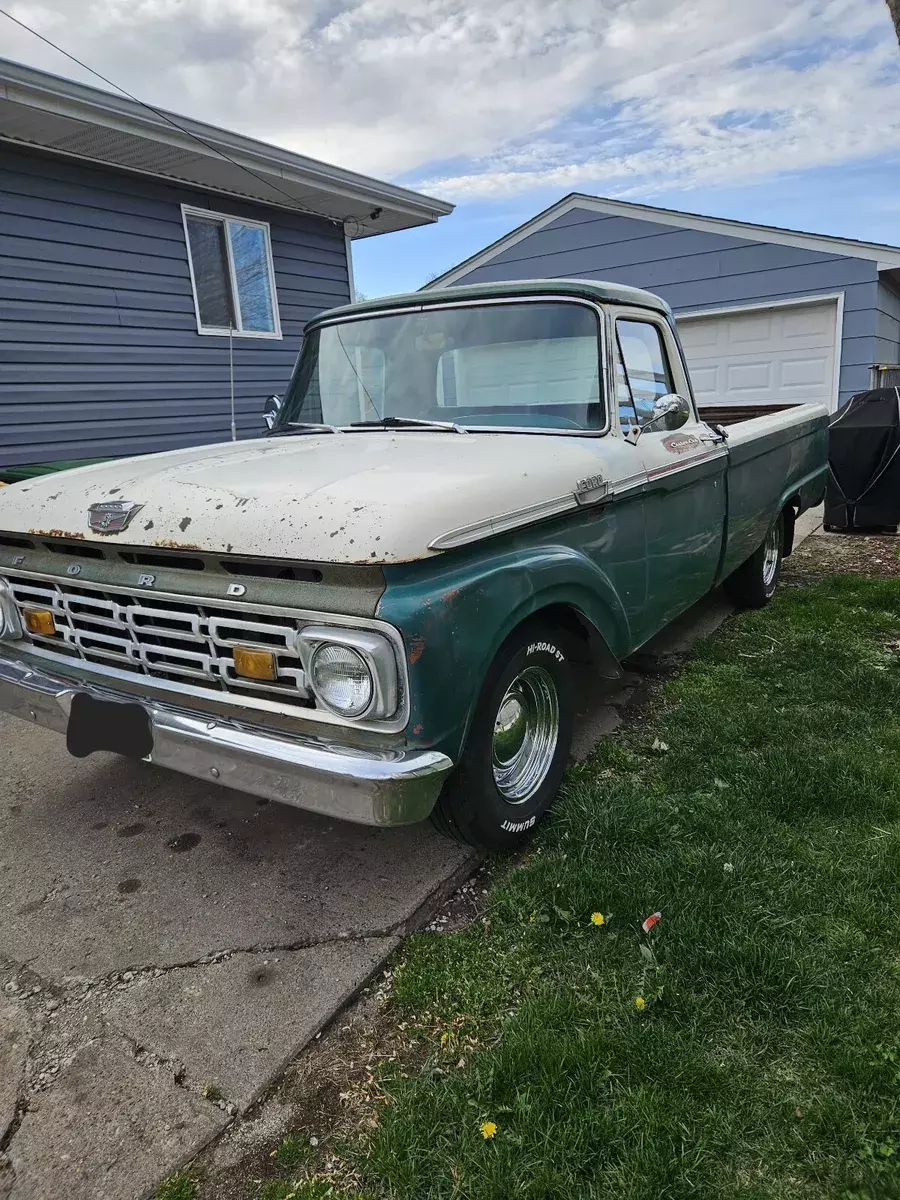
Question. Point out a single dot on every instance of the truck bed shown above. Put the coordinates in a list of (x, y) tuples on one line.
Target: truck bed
[(730, 414)]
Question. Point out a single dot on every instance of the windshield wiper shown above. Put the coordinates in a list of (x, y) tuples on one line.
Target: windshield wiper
[(408, 423), (303, 427)]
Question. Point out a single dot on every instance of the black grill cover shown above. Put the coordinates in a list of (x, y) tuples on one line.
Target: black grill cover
[(864, 463)]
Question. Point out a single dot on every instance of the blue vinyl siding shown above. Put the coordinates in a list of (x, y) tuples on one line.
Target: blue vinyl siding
[(693, 269), (99, 350), (887, 330)]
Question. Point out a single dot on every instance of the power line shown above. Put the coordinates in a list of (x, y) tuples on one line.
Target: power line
[(310, 212)]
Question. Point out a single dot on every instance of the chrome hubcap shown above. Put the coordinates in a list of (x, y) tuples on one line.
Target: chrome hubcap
[(525, 734), (771, 555)]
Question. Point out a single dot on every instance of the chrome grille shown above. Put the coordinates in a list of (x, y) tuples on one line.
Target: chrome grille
[(188, 640)]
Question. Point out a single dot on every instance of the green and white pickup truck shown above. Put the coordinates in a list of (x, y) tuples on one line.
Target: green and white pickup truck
[(373, 611)]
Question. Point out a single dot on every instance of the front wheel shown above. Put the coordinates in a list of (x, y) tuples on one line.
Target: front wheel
[(753, 584), (518, 745)]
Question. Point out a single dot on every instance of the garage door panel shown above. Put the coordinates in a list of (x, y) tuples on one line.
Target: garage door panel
[(813, 325), (705, 381), (749, 377), (806, 372), (749, 332), (700, 335), (785, 354)]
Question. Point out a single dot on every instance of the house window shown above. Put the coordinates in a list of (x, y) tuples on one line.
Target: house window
[(231, 274)]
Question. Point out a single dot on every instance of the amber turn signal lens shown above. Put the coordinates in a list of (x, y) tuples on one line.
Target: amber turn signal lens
[(39, 621), (255, 664)]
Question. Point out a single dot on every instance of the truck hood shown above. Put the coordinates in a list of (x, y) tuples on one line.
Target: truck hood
[(372, 497)]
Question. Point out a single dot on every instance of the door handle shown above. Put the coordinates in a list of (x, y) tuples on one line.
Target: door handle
[(716, 436)]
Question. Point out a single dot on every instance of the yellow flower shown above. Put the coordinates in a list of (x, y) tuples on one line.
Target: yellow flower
[(488, 1129), (598, 919), (640, 1003)]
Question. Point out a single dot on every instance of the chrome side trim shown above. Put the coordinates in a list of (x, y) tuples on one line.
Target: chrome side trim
[(465, 535), (373, 787)]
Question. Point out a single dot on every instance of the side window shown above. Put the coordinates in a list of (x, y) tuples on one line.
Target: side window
[(644, 365), (627, 413)]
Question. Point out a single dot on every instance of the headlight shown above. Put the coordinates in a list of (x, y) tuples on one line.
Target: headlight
[(352, 672), (341, 679), (10, 625)]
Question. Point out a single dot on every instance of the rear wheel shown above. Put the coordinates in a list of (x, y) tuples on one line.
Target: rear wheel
[(753, 584), (518, 745)]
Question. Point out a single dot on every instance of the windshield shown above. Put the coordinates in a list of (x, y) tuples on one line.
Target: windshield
[(525, 366)]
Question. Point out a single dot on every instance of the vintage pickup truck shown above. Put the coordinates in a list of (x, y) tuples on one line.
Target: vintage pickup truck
[(373, 612)]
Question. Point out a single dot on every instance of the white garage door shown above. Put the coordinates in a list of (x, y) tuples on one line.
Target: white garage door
[(780, 355)]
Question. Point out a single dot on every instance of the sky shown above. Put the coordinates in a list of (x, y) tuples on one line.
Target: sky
[(784, 112)]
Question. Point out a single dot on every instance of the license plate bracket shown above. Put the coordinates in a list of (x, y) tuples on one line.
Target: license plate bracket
[(108, 725)]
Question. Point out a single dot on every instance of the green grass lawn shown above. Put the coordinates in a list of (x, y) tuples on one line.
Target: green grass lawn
[(750, 1046)]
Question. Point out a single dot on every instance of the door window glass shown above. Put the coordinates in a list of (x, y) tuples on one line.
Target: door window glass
[(645, 366), (627, 415)]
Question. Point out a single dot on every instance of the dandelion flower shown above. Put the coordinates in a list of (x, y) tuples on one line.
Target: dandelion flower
[(640, 1003), (488, 1130), (598, 919)]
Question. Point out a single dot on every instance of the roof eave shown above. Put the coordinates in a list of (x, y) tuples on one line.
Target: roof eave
[(279, 168), (885, 257)]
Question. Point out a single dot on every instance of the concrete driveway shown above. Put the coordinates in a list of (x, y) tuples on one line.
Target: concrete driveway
[(161, 938)]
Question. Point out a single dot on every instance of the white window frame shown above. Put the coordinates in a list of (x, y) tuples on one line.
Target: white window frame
[(189, 210)]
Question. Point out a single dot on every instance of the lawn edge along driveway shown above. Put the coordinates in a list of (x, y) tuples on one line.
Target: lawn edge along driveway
[(747, 1045)]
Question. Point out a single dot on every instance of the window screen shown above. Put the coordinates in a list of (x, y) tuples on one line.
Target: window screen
[(234, 285)]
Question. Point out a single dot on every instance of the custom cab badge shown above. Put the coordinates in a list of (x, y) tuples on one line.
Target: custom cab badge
[(112, 516), (680, 443)]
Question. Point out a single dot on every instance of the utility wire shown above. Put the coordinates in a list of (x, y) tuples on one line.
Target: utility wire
[(311, 212)]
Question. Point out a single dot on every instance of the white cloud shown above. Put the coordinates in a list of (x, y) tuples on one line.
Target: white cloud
[(630, 94)]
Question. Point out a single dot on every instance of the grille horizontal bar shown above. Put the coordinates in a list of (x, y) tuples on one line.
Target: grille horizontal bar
[(190, 639)]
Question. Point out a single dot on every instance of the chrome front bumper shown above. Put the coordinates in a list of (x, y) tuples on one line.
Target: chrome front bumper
[(373, 787)]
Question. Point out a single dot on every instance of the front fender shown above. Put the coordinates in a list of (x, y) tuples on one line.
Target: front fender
[(457, 610)]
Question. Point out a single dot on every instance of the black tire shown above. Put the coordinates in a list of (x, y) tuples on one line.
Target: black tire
[(472, 808), (753, 584)]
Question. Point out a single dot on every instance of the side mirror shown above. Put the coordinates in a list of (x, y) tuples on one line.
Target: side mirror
[(669, 412), (271, 409)]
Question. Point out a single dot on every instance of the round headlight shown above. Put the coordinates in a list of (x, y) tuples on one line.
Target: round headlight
[(341, 679)]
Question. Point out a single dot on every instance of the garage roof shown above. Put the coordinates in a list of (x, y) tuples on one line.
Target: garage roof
[(887, 257), (54, 114)]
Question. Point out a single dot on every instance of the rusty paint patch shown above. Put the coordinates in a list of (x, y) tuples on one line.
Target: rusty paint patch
[(418, 728), (169, 544), (58, 533), (416, 649)]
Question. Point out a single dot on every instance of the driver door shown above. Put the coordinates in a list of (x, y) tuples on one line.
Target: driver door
[(684, 501)]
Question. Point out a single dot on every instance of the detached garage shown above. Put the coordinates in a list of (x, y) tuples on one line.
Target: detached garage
[(767, 316)]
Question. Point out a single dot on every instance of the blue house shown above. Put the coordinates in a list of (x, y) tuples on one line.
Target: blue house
[(767, 316), (149, 262)]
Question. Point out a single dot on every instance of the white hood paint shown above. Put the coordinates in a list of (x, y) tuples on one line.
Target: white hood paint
[(373, 497)]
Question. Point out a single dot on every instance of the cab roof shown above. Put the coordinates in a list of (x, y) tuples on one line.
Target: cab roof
[(583, 289)]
